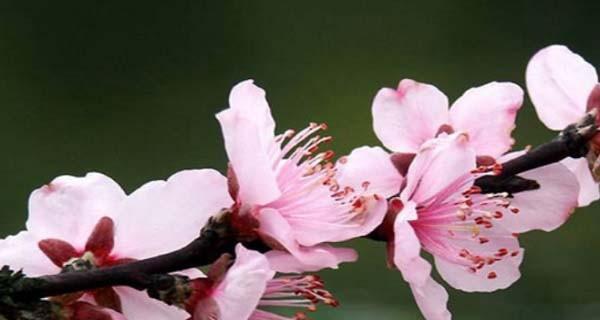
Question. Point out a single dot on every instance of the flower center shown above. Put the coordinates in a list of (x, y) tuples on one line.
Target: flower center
[(299, 166), (307, 180), (86, 262), (95, 254), (462, 227)]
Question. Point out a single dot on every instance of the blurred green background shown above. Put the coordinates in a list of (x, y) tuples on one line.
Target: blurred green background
[(130, 90)]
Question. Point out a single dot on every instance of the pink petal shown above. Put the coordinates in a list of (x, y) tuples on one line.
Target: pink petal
[(87, 311), (588, 188), (407, 249), (191, 273), (500, 243), (432, 300), (69, 207), (546, 208), (487, 114), (330, 256), (501, 275), (21, 252), (249, 158), (137, 305), (206, 309), (175, 209), (337, 205), (405, 118), (559, 83), (249, 132), (250, 102), (439, 163), (369, 169), (278, 233), (240, 291), (275, 230), (330, 206), (361, 217)]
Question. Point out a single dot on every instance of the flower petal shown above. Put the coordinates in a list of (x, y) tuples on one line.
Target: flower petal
[(407, 249), (405, 118), (329, 256), (249, 132), (546, 208), (249, 158), (439, 163), (334, 222), (337, 204), (559, 84), (276, 231), (81, 310), (69, 207), (490, 276), (137, 305), (177, 209), (250, 101), (245, 281), (369, 169), (21, 252), (432, 300), (588, 188), (206, 309), (487, 114), (191, 273)]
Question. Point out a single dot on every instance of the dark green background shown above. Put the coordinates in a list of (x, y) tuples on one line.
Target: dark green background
[(130, 89)]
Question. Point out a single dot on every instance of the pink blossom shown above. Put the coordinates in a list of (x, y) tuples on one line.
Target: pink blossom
[(563, 87), (80, 223), (248, 286), (472, 236), (286, 190), (403, 119)]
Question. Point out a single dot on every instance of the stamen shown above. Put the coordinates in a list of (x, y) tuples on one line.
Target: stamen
[(297, 292), (460, 212)]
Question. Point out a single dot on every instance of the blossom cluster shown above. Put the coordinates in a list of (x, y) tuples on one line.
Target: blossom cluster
[(286, 191)]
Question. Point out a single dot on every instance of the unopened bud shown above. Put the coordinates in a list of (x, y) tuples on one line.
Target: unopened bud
[(171, 289)]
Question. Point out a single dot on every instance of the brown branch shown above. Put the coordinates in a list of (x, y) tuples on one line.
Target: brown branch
[(215, 239), (571, 142)]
